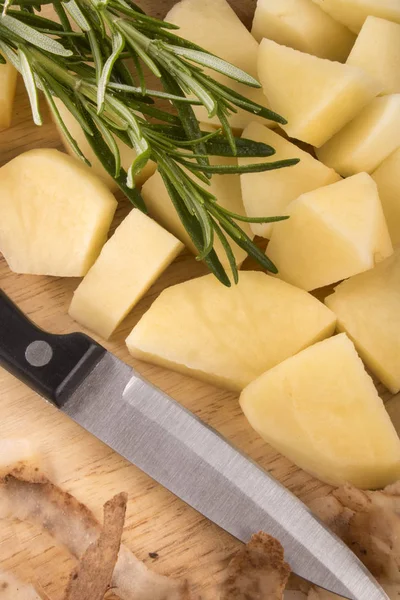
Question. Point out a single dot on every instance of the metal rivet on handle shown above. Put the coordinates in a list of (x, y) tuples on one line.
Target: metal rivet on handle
[(39, 354)]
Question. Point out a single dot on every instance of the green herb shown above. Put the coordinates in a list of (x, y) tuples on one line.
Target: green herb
[(85, 67)]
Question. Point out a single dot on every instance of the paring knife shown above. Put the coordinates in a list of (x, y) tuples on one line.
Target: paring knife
[(166, 441)]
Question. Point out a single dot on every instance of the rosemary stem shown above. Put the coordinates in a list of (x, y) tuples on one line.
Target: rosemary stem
[(59, 72)]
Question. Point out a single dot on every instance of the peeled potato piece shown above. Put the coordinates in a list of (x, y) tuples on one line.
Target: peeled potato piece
[(377, 51), (316, 96), (368, 310), (387, 179), (54, 214), (367, 140), (129, 263), (353, 13), (214, 25), (334, 232), (321, 409), (8, 82), (229, 336), (268, 194), (127, 154), (302, 25)]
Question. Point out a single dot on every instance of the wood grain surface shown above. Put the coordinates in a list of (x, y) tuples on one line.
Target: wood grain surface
[(186, 543)]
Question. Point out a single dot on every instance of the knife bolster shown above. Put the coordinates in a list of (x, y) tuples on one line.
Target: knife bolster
[(52, 365)]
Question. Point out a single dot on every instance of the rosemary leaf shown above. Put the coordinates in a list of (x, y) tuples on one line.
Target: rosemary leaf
[(138, 165), (29, 81), (73, 9), (227, 130), (244, 148), (139, 70), (217, 64), (10, 55), (228, 251), (238, 217), (56, 114), (35, 20), (118, 44), (34, 37), (237, 169), (108, 138), (97, 54)]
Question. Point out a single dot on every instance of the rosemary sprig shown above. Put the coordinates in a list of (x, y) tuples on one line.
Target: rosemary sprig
[(85, 66)]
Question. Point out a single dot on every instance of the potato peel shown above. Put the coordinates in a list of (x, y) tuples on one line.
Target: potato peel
[(369, 523), (92, 578), (257, 571), (27, 495)]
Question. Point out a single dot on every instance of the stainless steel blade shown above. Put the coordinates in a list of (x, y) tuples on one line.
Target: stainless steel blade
[(190, 459)]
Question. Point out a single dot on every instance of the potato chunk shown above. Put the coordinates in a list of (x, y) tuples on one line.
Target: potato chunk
[(321, 409), (377, 51), (332, 233), (129, 263), (8, 82), (387, 179), (302, 25), (316, 96), (229, 336), (353, 13), (368, 310), (367, 140), (268, 194), (54, 214)]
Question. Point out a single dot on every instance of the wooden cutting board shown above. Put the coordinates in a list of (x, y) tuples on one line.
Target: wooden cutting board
[(186, 543)]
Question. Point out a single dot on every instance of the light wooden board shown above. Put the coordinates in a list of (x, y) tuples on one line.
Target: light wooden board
[(187, 544)]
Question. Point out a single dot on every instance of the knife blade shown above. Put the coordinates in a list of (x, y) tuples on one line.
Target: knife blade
[(174, 447)]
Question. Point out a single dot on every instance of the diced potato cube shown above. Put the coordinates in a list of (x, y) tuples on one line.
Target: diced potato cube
[(353, 13), (302, 25), (129, 263), (8, 82), (334, 232), (268, 194), (229, 336), (387, 179), (316, 96), (321, 409), (367, 140), (54, 214), (377, 51), (368, 310)]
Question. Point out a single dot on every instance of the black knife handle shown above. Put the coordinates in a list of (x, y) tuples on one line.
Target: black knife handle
[(52, 365)]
